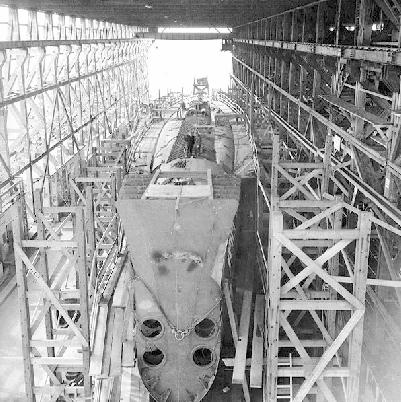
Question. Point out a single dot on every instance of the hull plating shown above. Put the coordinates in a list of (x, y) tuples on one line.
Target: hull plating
[(174, 247)]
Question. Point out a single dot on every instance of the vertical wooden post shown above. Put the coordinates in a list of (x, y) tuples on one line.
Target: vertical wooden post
[(272, 305), (274, 172), (338, 22), (234, 329), (302, 71), (4, 146), (251, 106), (43, 264), (90, 224), (359, 291), (328, 149), (82, 274), (22, 288), (364, 26)]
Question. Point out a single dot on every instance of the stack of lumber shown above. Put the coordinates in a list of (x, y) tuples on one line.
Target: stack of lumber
[(112, 365)]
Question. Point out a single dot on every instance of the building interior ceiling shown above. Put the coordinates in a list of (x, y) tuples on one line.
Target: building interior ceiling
[(156, 13)]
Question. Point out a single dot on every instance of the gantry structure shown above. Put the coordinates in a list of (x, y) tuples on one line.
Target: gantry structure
[(317, 88)]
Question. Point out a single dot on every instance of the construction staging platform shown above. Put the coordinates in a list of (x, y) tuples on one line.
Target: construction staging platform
[(236, 244), (111, 322)]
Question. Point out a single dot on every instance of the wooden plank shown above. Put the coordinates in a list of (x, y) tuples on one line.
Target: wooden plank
[(343, 234), (203, 126), (55, 342), (257, 343), (120, 296), (290, 305), (115, 356), (302, 372), (307, 204), (57, 361), (234, 332), (102, 179), (132, 388), (60, 389), (128, 340), (108, 292), (105, 391), (242, 344), (182, 174), (128, 354), (172, 191), (60, 210), (99, 342), (116, 390), (108, 343), (301, 165), (296, 361), (54, 244)]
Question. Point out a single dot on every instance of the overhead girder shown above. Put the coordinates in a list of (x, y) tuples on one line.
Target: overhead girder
[(167, 13)]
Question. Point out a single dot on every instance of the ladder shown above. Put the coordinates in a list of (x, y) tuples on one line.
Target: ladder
[(284, 390)]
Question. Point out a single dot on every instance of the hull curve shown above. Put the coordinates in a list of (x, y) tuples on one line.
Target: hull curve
[(174, 248), (177, 228)]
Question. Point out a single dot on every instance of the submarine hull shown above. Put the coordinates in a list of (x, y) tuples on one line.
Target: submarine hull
[(176, 249)]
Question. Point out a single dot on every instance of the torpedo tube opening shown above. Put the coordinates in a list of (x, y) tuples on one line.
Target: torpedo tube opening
[(153, 357), (206, 328), (203, 356), (151, 328)]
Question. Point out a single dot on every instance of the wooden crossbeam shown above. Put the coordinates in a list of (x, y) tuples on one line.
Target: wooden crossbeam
[(332, 234), (306, 205), (303, 296), (55, 342), (328, 355), (297, 185), (78, 192), (53, 244), (319, 217), (312, 265), (58, 361), (49, 293), (291, 305), (306, 359)]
